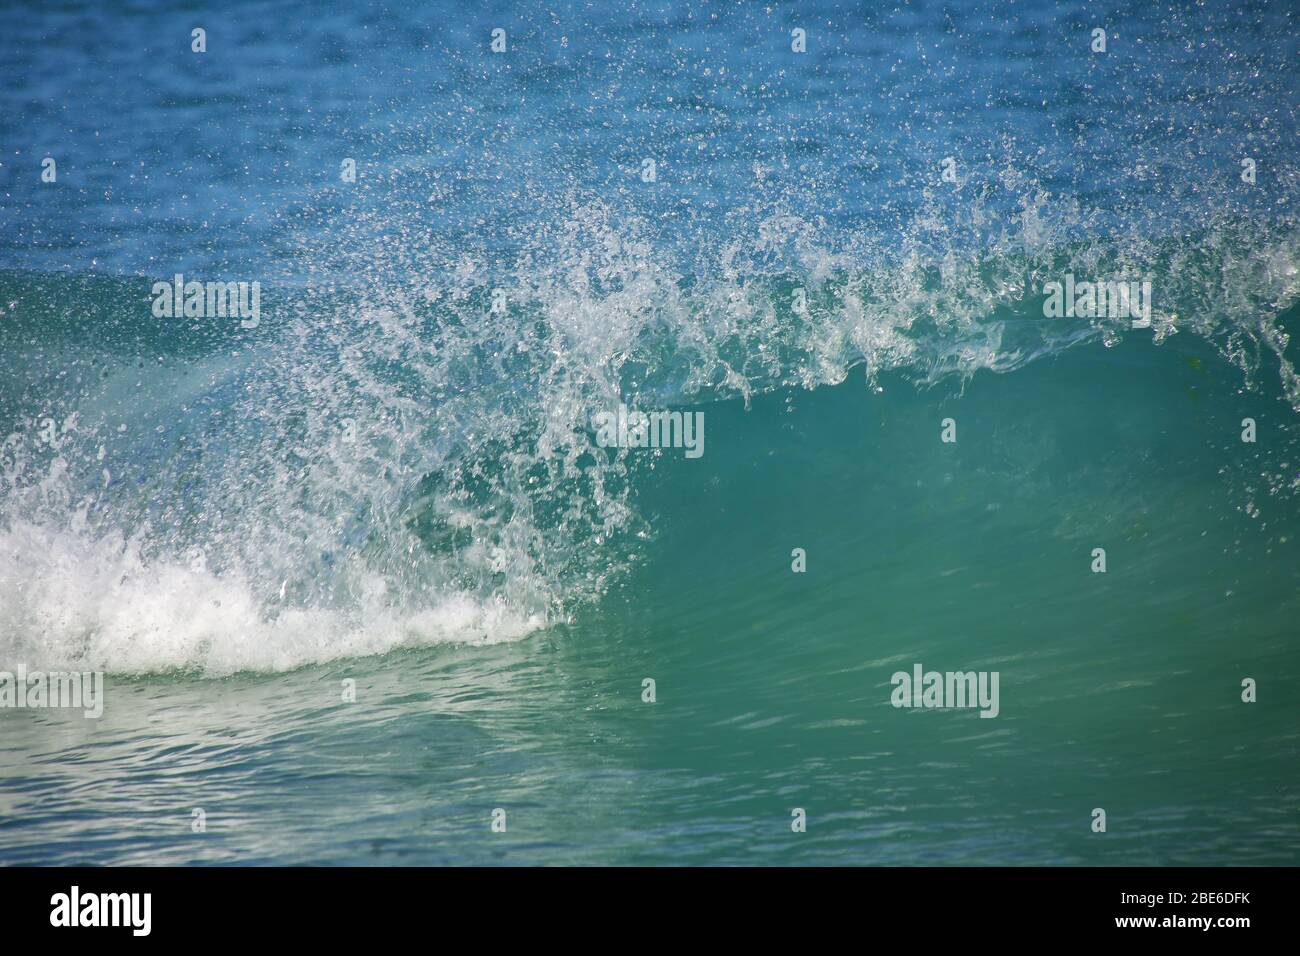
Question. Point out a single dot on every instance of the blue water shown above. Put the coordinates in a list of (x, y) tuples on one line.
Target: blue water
[(390, 484)]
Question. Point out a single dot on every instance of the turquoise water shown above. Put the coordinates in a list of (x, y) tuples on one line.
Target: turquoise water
[(390, 486)]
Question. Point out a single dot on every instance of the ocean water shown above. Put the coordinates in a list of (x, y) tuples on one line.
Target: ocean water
[(388, 485)]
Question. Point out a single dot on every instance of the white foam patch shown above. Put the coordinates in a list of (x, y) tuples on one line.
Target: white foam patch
[(72, 603)]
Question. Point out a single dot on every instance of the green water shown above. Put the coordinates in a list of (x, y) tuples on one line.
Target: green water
[(1119, 690)]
